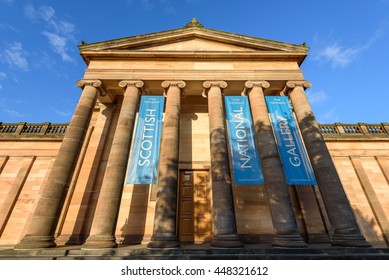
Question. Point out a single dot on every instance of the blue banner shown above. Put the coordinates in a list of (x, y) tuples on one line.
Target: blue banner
[(298, 170), (245, 161), (145, 151)]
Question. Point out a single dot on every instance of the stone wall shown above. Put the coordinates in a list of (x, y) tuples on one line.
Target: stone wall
[(360, 153)]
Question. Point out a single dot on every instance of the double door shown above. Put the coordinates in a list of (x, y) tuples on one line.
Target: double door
[(195, 218)]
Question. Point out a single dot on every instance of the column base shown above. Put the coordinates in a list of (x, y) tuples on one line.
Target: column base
[(36, 242), (162, 242), (349, 240), (226, 241), (99, 242), (288, 241)]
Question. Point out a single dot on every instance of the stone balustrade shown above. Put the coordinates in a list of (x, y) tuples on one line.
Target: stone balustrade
[(360, 130), (22, 129), (29, 130)]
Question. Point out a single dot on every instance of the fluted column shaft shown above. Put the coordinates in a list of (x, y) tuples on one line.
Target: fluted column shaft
[(165, 219), (284, 221), (102, 234), (342, 220), (223, 213), (41, 230)]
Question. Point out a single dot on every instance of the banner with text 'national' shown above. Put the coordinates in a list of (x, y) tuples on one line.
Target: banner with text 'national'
[(243, 149)]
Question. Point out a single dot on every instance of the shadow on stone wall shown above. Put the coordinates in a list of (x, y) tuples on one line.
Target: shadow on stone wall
[(368, 228), (133, 230)]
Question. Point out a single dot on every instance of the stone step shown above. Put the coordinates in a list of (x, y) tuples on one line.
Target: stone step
[(197, 254)]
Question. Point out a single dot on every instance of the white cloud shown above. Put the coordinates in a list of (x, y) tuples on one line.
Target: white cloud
[(328, 117), (15, 56), (43, 12), (2, 76), (58, 32), (58, 44), (168, 6), (8, 1), (317, 97), (340, 56), (62, 26), (14, 113), (8, 26), (147, 4), (61, 113)]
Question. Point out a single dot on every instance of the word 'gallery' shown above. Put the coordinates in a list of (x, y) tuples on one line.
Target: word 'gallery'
[(194, 135)]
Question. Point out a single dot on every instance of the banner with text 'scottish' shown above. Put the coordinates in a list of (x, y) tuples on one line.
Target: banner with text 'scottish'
[(145, 151), (298, 170), (243, 149)]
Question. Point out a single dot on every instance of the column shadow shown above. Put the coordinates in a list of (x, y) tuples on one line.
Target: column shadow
[(133, 230), (88, 204)]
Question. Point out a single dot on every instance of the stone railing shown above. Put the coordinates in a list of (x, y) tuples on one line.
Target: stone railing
[(49, 130), (360, 129), (28, 130)]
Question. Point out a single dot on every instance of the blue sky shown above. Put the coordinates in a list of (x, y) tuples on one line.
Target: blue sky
[(347, 62)]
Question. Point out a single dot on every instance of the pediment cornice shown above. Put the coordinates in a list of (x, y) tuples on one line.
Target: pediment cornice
[(181, 42)]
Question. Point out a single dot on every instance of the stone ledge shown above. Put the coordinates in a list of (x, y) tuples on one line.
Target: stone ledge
[(139, 252)]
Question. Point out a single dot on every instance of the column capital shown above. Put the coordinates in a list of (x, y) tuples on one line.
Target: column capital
[(208, 84), (251, 84), (179, 84), (301, 83), (127, 83), (88, 82), (172, 83), (94, 83)]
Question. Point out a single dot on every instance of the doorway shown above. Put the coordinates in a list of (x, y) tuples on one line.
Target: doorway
[(195, 218)]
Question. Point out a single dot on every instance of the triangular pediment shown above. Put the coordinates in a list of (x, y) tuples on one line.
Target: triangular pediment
[(197, 44), (195, 40)]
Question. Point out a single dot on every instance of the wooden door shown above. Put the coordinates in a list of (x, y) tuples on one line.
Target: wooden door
[(195, 223)]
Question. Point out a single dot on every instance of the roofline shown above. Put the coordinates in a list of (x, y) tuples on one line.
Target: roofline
[(251, 40)]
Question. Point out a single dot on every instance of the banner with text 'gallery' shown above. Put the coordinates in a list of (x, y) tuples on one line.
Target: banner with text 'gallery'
[(145, 151), (244, 155), (298, 170)]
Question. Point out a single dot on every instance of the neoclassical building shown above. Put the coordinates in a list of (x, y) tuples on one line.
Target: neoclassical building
[(71, 184)]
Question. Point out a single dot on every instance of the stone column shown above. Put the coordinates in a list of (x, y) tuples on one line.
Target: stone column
[(284, 221), (41, 230), (165, 219), (223, 212), (342, 220), (102, 233)]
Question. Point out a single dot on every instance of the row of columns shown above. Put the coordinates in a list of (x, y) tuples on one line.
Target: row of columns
[(102, 235)]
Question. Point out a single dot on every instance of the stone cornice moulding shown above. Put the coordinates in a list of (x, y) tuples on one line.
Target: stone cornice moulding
[(238, 55), (188, 33), (132, 46)]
